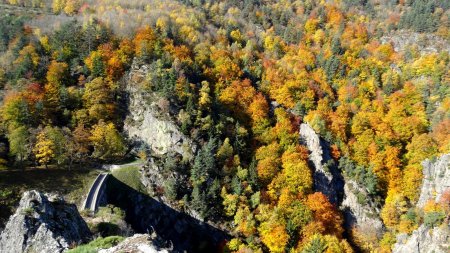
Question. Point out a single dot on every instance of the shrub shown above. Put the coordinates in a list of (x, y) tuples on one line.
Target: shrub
[(107, 242), (433, 219)]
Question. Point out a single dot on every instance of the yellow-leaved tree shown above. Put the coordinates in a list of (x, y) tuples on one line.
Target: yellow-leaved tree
[(44, 150), (108, 143)]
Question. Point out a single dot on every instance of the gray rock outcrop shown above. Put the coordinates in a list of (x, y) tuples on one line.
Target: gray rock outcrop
[(43, 223), (424, 240), (436, 179), (326, 177), (360, 214), (146, 122), (138, 243)]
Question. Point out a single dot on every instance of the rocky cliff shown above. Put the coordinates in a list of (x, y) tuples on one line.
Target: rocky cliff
[(43, 223), (326, 177), (436, 180), (150, 125), (343, 192), (362, 215), (147, 123)]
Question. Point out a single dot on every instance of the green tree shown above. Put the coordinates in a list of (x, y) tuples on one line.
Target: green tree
[(18, 143), (204, 163), (198, 201), (58, 138)]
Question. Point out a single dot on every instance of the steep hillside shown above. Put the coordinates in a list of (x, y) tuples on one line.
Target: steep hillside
[(262, 126)]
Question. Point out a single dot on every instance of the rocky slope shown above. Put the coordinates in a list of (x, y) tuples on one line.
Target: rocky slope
[(424, 240), (436, 180), (43, 223), (147, 124)]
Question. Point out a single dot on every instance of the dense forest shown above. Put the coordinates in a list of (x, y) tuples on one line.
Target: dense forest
[(238, 78)]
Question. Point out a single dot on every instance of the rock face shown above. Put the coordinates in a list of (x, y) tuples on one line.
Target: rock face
[(146, 123), (139, 243), (436, 180), (363, 215), (43, 223), (326, 177)]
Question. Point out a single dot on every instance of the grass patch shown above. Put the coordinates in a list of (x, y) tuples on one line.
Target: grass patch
[(99, 243), (83, 249), (130, 176)]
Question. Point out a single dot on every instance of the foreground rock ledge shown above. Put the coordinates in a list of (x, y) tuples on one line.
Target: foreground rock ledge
[(43, 223), (139, 243)]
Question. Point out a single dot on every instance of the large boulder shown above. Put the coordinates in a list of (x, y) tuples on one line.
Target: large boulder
[(43, 223)]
